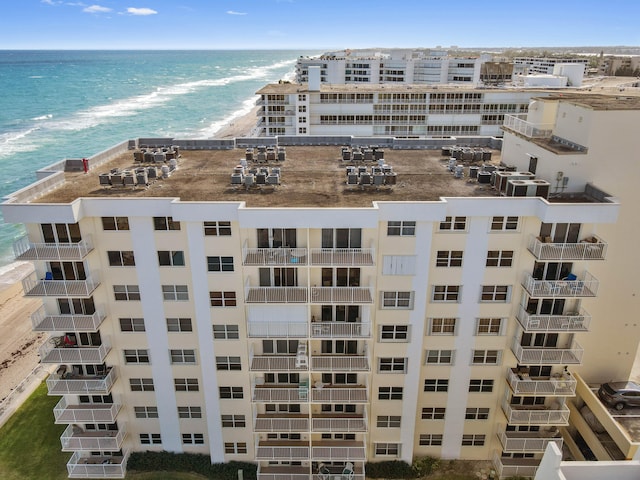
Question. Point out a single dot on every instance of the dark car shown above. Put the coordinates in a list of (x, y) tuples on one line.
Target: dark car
[(620, 394)]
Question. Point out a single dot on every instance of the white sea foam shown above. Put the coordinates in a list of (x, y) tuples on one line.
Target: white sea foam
[(14, 142), (43, 117), (211, 130)]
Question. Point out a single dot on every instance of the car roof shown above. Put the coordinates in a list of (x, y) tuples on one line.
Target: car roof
[(624, 385)]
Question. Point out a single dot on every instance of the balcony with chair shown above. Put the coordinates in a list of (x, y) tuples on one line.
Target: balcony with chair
[(66, 412), (569, 322), (81, 465), (358, 329), (571, 286), (48, 287), (536, 414), (591, 248), (282, 256), (335, 471), (528, 442), (76, 437), (43, 322), (26, 250), (557, 385), (73, 383), (571, 355), (59, 350)]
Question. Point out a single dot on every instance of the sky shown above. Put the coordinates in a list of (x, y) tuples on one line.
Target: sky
[(314, 24)]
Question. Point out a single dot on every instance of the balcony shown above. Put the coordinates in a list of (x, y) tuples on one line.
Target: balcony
[(529, 130), (281, 423), (275, 363), (338, 450), (25, 250), (276, 294), (341, 295), (515, 467), (595, 249), (561, 385), (71, 384), (535, 414), (343, 257), (277, 329), (274, 256), (282, 472), (271, 393), (547, 355), (35, 287), (569, 322), (294, 450), (529, 442), (586, 287), (76, 438), (80, 466), (340, 363), (53, 351), (334, 422), (64, 412), (41, 322), (339, 393), (340, 330)]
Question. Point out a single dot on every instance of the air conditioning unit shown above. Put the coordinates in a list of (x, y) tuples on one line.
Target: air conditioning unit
[(528, 188), (502, 178)]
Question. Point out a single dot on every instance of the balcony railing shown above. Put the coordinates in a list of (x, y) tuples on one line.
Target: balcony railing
[(50, 352), (529, 442), (282, 472), (282, 450), (522, 384), (338, 450), (340, 330), (569, 322), (274, 256), (338, 423), (586, 287), (276, 294), (69, 384), (535, 414), (278, 329), (41, 322), (340, 394), (64, 412), (281, 423), (35, 287), (340, 363), (343, 256), (515, 467), (341, 295), (530, 130), (283, 394), (275, 363), (568, 251), (76, 438), (80, 466), (547, 355), (25, 250)]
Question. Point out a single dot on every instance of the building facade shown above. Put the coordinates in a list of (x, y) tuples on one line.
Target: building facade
[(544, 65)]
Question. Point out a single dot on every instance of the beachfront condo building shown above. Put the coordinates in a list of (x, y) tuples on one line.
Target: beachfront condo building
[(313, 308)]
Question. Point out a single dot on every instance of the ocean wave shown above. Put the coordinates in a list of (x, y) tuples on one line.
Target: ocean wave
[(212, 129), (14, 142), (43, 117)]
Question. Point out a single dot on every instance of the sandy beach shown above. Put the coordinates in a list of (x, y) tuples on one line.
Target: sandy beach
[(239, 127)]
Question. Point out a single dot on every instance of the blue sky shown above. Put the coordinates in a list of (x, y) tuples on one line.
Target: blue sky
[(308, 24)]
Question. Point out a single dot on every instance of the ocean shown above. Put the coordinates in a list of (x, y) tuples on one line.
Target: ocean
[(71, 104)]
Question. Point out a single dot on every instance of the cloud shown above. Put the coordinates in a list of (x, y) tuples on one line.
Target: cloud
[(141, 11), (96, 9), (231, 12), (50, 2)]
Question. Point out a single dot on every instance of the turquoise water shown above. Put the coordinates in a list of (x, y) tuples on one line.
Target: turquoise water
[(70, 104)]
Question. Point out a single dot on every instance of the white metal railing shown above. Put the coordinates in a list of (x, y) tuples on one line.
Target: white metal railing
[(274, 256), (339, 424), (568, 251), (280, 424), (344, 394), (341, 295), (35, 287), (80, 466), (332, 453), (64, 412), (41, 322), (340, 329), (276, 294), (278, 329), (528, 442), (340, 363), (273, 451), (293, 394), (531, 130), (561, 385), (75, 437), (282, 472), (343, 256), (547, 355), (26, 250), (81, 385), (275, 363), (515, 467), (535, 415), (337, 476), (51, 352), (585, 287), (569, 322)]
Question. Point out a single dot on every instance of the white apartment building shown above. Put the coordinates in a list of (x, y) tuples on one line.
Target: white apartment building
[(311, 323), (544, 65)]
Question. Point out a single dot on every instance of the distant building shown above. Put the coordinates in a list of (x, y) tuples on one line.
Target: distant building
[(619, 65), (543, 65)]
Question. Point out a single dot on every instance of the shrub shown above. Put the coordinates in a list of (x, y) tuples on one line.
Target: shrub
[(390, 469), (425, 465), (190, 462)]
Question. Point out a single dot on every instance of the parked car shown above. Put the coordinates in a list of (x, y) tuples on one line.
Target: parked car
[(620, 394)]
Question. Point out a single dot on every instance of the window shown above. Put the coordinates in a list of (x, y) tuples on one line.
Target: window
[(231, 392), (436, 385), (499, 258), (220, 264), (132, 325), (430, 440), (442, 326), (504, 223), (449, 258), (394, 333), (150, 439), (401, 229), (222, 299), (192, 438), (487, 357), (390, 393), (483, 386), (495, 293), (165, 223), (302, 119), (388, 449), (218, 229), (126, 292), (388, 421), (141, 384), (189, 412), (433, 413), (225, 332), (228, 363), (392, 364), (136, 356), (179, 325), (146, 412), (302, 130), (119, 258), (183, 356), (488, 326), (178, 293), (473, 440), (454, 223), (397, 300), (233, 421), (440, 357), (171, 258), (186, 384), (235, 448), (302, 108), (115, 223), (476, 413), (446, 293)]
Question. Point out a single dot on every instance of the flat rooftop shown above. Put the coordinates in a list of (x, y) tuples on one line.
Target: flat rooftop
[(286, 88), (626, 101)]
